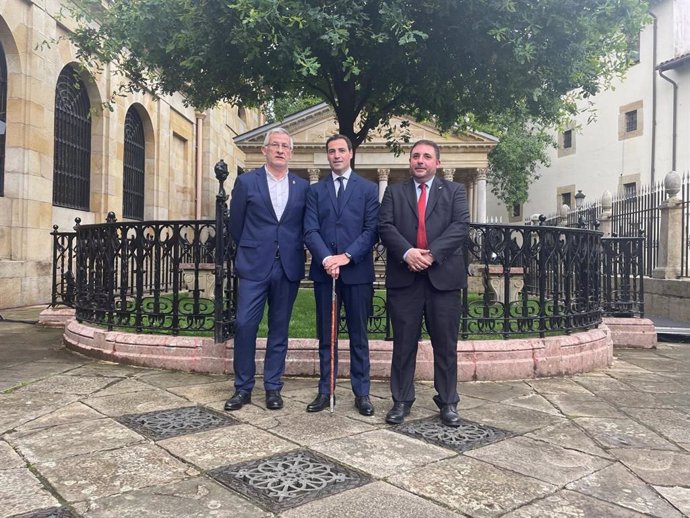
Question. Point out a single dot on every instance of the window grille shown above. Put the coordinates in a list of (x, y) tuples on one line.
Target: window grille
[(134, 165), (567, 139), (72, 154), (631, 121)]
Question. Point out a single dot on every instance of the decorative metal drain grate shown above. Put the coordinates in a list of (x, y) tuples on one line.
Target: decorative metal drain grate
[(467, 436), (289, 479), (53, 512), (163, 424)]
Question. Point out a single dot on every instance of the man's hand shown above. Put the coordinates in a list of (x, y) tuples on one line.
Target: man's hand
[(418, 259), (333, 263)]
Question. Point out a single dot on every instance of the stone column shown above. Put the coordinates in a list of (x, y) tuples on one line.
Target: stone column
[(448, 173), (314, 174), (383, 174), (668, 265), (606, 213), (481, 195), (469, 187)]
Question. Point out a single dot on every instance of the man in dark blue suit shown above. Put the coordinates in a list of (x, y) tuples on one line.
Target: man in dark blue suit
[(424, 223), (266, 216), (340, 231)]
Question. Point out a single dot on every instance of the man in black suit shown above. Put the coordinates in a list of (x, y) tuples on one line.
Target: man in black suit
[(340, 231), (425, 270)]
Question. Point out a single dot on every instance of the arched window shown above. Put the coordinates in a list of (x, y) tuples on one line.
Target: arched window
[(3, 117), (72, 160), (134, 159)]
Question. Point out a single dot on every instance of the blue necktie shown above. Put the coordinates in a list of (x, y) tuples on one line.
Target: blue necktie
[(339, 192)]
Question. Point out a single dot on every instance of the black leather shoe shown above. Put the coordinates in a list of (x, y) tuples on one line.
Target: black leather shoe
[(363, 404), (397, 414), (437, 400), (273, 400), (449, 416), (238, 400), (321, 402)]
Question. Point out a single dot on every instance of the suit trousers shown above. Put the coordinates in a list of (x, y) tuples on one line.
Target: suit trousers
[(441, 312), (357, 301), (280, 293)]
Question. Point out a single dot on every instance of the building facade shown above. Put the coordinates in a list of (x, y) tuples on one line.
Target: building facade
[(637, 132), (65, 153)]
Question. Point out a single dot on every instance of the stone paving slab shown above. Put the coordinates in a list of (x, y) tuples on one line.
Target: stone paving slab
[(205, 393), (311, 428), (472, 487), (18, 408), (511, 418), (123, 386), (67, 440), (9, 458), (79, 385), (652, 383), (617, 485), (659, 468), (634, 398), (223, 446), (678, 496), (599, 382), (167, 379), (533, 402), (107, 473), (105, 368), (581, 405), (571, 504), (562, 386), (544, 461), (382, 453), (569, 436), (622, 433), (198, 497), (495, 391), (135, 402), (376, 500), (671, 424), (21, 492), (73, 413)]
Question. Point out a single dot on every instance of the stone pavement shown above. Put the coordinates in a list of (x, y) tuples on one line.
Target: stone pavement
[(86, 438)]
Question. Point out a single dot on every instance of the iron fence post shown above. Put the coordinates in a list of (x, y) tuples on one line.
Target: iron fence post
[(221, 171)]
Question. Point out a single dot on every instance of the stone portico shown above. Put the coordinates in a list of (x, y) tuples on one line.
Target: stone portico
[(463, 157)]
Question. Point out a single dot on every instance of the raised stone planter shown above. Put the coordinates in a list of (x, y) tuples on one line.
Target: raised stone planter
[(480, 360), (632, 332)]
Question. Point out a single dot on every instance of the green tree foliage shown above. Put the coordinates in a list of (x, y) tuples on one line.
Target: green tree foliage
[(431, 60), (522, 147)]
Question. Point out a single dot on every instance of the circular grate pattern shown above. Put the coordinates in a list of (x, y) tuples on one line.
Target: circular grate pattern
[(289, 479), (163, 424), (467, 436)]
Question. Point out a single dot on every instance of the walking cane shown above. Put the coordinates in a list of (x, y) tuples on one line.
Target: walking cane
[(334, 334)]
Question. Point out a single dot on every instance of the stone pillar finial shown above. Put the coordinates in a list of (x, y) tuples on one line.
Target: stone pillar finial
[(314, 174), (672, 183), (448, 173)]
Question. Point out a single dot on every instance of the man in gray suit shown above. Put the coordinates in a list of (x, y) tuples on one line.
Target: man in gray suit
[(423, 223)]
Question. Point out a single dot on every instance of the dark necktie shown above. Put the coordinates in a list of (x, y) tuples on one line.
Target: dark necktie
[(339, 192), (421, 212)]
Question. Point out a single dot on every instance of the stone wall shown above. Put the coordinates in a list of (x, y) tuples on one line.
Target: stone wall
[(172, 162)]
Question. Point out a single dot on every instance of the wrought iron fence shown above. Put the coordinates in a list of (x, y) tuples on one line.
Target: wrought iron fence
[(623, 276), (177, 277), (634, 215)]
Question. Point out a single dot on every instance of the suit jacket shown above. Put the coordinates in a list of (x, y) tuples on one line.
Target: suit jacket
[(447, 226), (353, 230), (256, 231)]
